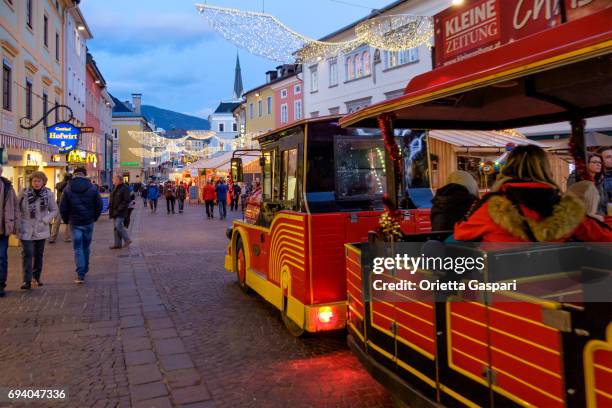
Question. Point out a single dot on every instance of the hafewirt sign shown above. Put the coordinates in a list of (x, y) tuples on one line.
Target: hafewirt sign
[(63, 135)]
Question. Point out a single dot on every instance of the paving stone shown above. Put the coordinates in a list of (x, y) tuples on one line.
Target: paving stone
[(163, 333), (139, 357), (169, 346), (176, 362), (183, 378), (190, 395), (148, 391), (163, 323), (143, 374), (163, 402), (137, 343)]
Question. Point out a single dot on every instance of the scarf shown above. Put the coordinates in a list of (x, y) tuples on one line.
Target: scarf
[(33, 197)]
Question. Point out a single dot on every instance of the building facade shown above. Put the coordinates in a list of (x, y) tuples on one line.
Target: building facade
[(365, 75), (134, 168), (288, 99), (32, 53), (76, 34)]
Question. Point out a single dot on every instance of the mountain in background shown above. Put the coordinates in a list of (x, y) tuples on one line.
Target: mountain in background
[(169, 120)]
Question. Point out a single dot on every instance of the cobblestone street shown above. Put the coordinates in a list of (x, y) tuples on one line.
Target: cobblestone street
[(162, 324)]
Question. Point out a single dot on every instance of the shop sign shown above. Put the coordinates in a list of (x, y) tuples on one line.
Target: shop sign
[(130, 164), (86, 129), (481, 25), (32, 159), (81, 157), (63, 135)]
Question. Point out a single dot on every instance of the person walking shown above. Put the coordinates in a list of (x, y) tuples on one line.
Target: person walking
[(57, 223), (126, 222), (81, 207), (143, 195), (152, 196), (118, 210), (221, 191), (236, 190), (170, 194), (181, 195), (209, 196), (9, 217), (37, 209)]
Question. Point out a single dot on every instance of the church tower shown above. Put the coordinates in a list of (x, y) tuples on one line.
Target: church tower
[(237, 81)]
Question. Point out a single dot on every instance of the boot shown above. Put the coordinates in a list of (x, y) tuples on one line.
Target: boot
[(26, 286)]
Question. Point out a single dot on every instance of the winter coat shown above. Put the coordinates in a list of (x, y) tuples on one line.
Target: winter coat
[(181, 193), (450, 204), (236, 190), (528, 211), (81, 202), (170, 192), (221, 191), (209, 193), (36, 228), (59, 189), (152, 192), (9, 211), (119, 201), (607, 185)]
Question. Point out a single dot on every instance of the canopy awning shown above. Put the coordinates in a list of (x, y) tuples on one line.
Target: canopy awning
[(221, 162), (476, 139), (559, 74)]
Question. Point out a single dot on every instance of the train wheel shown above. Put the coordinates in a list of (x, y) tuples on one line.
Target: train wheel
[(292, 327), (241, 267)]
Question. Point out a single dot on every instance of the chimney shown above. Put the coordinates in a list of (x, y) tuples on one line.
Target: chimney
[(136, 100)]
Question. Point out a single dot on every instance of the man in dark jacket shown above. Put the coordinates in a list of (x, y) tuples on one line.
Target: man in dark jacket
[(181, 195), (221, 190), (118, 210), (81, 207), (9, 220), (236, 190)]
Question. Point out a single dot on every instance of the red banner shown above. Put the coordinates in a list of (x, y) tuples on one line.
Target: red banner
[(480, 25)]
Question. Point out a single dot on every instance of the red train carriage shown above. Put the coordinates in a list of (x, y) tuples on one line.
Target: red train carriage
[(531, 351), (322, 187)]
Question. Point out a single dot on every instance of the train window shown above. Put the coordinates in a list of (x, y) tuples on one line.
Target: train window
[(360, 167), (289, 171), (268, 174)]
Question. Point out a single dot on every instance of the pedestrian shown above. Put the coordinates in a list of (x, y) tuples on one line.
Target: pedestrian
[(152, 196), (453, 201), (606, 155), (527, 206), (9, 217), (595, 170), (126, 222), (221, 191), (170, 194), (143, 194), (81, 207), (588, 193), (118, 207), (245, 195), (57, 223), (209, 196), (236, 190), (37, 209), (181, 195)]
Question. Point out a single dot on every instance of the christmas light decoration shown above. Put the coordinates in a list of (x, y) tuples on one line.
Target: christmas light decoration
[(266, 36)]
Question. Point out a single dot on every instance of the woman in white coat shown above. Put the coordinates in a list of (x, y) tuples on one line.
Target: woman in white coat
[(37, 209)]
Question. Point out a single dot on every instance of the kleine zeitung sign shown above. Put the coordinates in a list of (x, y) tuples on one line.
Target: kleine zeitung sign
[(63, 135)]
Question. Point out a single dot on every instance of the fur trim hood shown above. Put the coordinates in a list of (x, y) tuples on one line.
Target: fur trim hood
[(565, 218)]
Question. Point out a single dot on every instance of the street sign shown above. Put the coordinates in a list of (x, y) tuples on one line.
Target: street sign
[(63, 135), (87, 129)]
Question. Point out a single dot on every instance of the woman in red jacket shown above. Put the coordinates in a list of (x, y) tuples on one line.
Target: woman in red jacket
[(209, 197), (526, 205)]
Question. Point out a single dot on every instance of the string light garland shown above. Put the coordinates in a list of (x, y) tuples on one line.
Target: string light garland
[(264, 35)]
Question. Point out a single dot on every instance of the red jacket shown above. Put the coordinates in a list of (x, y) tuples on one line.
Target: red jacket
[(497, 219), (209, 193)]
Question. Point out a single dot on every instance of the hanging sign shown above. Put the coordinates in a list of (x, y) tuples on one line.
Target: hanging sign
[(81, 157), (63, 135)]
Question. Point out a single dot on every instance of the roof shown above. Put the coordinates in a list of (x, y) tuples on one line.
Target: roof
[(278, 79), (498, 89), (120, 107), (479, 139), (94, 67), (227, 107)]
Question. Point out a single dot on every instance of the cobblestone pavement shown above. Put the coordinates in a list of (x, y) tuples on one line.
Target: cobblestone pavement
[(162, 324)]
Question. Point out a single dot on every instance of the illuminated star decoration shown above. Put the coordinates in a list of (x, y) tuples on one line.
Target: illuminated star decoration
[(264, 35)]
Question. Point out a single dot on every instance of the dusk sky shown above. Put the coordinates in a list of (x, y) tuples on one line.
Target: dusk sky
[(166, 51)]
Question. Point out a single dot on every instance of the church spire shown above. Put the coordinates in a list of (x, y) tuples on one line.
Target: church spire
[(238, 80)]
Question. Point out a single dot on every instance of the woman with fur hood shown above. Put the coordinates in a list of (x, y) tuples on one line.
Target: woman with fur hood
[(526, 205)]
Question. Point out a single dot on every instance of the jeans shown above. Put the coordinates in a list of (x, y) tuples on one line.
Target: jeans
[(181, 205), (32, 252), (222, 209), (234, 203), (210, 208), (82, 236), (153, 204), (3, 260), (120, 231), (170, 203)]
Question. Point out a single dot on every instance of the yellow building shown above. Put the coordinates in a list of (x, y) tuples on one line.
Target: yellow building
[(259, 109), (128, 117), (31, 52)]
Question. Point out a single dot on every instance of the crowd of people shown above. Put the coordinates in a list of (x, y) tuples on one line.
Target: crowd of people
[(525, 203)]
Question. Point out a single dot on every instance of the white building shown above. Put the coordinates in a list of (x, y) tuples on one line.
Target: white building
[(75, 56), (366, 75)]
